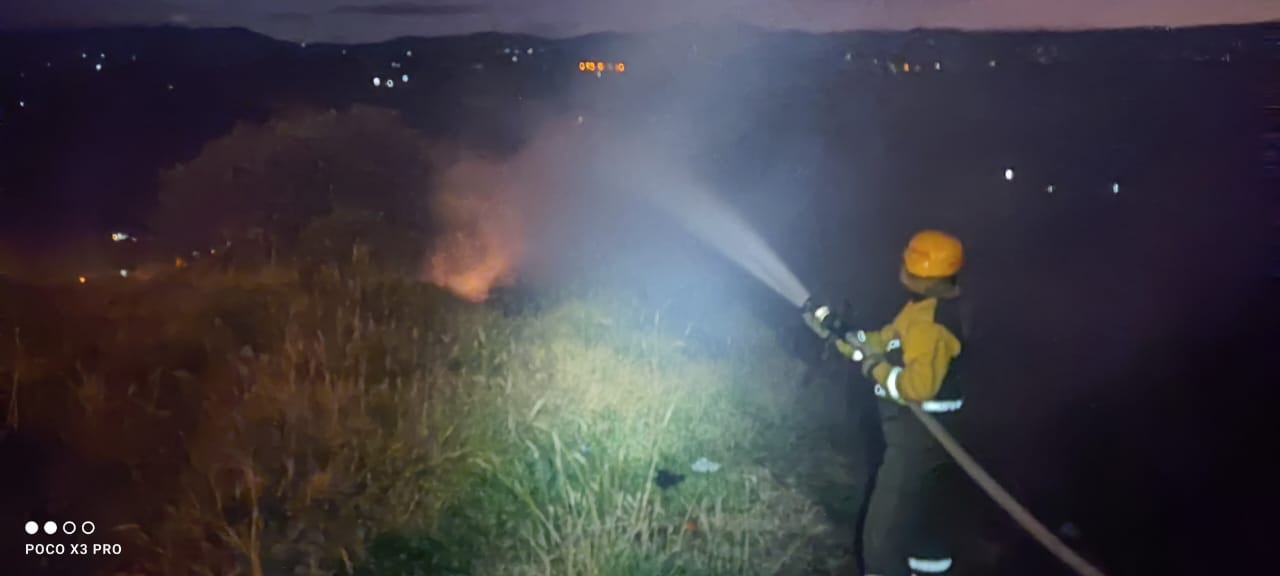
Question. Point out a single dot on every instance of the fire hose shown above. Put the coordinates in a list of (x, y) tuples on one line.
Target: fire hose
[(825, 324), (1003, 499)]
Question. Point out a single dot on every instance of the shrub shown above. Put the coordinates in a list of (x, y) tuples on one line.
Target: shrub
[(371, 426)]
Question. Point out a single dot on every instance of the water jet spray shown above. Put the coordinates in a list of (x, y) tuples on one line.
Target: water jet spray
[(715, 223)]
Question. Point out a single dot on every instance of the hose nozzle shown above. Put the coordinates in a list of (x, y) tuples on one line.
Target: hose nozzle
[(822, 320), (813, 315), (832, 328)]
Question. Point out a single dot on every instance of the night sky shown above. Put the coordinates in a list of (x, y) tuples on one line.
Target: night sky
[(375, 20)]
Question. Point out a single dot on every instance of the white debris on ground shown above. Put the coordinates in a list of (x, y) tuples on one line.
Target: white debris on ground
[(704, 465)]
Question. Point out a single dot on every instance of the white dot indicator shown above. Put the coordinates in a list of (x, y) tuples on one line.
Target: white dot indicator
[(51, 527), (88, 528), (1008, 173), (391, 83), (32, 527), (68, 527)]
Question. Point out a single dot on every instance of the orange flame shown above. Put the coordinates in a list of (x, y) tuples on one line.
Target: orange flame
[(497, 217), (483, 243)]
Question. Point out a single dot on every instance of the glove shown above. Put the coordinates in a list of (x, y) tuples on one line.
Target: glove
[(870, 363), (892, 358), (850, 350)]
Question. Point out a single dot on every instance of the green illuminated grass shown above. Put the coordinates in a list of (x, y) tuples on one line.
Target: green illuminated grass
[(376, 427)]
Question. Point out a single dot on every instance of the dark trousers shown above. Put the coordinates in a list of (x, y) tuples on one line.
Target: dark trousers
[(911, 512)]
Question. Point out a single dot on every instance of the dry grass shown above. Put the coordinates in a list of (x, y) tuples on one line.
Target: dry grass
[(368, 426)]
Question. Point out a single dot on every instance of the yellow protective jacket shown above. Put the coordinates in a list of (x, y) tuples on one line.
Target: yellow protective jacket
[(911, 356)]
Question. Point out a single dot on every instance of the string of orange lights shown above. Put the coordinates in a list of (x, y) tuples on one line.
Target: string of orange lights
[(598, 66)]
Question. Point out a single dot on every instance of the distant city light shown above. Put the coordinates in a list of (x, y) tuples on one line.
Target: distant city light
[(124, 273), (98, 67), (102, 56), (515, 58), (529, 51), (119, 237), (1049, 188), (506, 50), (133, 57), (344, 51), (1008, 173), (82, 279), (170, 86), (377, 81), (22, 103), (937, 65), (598, 67), (1115, 187), (848, 56), (408, 53), (83, 55), (404, 78), (991, 64)]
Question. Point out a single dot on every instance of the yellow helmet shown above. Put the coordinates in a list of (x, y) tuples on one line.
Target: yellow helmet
[(933, 254)]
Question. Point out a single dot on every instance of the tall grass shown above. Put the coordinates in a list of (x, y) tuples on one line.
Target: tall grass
[(362, 425)]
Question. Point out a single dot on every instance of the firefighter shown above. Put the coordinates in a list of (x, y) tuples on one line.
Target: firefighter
[(911, 361)]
